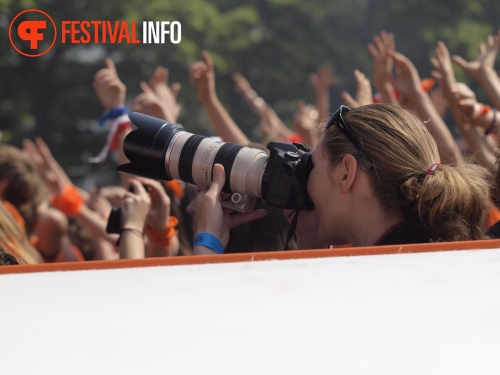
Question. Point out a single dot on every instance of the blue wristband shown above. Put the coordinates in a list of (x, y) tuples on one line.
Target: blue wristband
[(210, 241)]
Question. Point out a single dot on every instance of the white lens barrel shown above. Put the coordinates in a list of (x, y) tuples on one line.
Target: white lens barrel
[(246, 170)]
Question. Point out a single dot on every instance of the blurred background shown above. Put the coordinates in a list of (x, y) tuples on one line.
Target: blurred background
[(276, 44)]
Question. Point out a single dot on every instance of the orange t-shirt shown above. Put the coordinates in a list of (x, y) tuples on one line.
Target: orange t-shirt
[(15, 214), (494, 215)]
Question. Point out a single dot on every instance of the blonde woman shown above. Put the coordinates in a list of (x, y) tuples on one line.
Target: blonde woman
[(377, 180)]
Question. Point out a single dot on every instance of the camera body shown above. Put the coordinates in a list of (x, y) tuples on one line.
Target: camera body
[(114, 221), (284, 183), (161, 150)]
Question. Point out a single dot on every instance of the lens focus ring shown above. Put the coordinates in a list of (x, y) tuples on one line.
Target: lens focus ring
[(226, 155)]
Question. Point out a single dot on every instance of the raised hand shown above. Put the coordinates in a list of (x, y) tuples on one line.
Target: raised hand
[(444, 70), (242, 86), (135, 207), (383, 63), (167, 94), (323, 79), (109, 88), (364, 94), (439, 101), (49, 169), (407, 79), (159, 212), (485, 60), (202, 75), (150, 104), (306, 123)]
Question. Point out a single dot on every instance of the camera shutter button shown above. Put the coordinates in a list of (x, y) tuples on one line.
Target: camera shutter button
[(292, 156)]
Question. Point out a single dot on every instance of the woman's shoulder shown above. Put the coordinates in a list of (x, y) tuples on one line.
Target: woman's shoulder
[(400, 234), (494, 230)]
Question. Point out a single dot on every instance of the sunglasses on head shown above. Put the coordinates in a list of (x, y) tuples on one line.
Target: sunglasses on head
[(338, 120)]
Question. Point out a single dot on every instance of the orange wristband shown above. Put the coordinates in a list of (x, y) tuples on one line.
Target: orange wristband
[(69, 201), (163, 237), (485, 109), (175, 187)]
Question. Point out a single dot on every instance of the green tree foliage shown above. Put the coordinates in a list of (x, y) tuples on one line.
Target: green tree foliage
[(276, 44)]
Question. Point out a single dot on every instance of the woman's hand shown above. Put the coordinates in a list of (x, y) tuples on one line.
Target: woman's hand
[(109, 88), (323, 79), (135, 207), (363, 94), (485, 60), (202, 75), (49, 169), (407, 80), (167, 94), (211, 218), (150, 104), (159, 212), (380, 52)]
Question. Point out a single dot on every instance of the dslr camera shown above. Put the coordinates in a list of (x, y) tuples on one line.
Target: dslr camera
[(160, 150)]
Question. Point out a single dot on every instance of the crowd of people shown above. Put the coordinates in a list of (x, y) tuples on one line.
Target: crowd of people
[(386, 169)]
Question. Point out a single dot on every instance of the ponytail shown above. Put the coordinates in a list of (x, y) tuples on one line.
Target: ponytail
[(450, 204)]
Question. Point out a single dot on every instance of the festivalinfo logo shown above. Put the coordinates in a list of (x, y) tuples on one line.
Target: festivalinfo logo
[(33, 32)]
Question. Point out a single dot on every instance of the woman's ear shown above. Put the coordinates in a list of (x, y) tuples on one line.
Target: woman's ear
[(348, 168)]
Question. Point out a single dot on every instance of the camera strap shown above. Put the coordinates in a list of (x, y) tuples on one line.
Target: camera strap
[(291, 228), (295, 183)]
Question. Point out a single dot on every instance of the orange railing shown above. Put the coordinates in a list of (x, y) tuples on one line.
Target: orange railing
[(246, 257)]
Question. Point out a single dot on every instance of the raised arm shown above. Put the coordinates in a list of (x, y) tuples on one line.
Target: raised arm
[(202, 75), (380, 52), (67, 198), (364, 94), (243, 87), (305, 123), (322, 80), (168, 94), (160, 225), (482, 69), (271, 126), (454, 94), (134, 210), (408, 84), (111, 93)]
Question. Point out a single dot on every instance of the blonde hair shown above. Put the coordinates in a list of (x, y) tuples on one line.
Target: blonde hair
[(451, 204), (13, 239), (25, 188)]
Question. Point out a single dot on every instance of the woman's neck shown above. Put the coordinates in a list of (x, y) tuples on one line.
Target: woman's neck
[(373, 223)]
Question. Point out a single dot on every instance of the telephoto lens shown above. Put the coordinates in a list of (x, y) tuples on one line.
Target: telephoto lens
[(161, 150)]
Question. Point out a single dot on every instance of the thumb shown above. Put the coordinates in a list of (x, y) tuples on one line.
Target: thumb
[(175, 88), (459, 61), (110, 64), (208, 60), (218, 180), (145, 87), (348, 100)]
